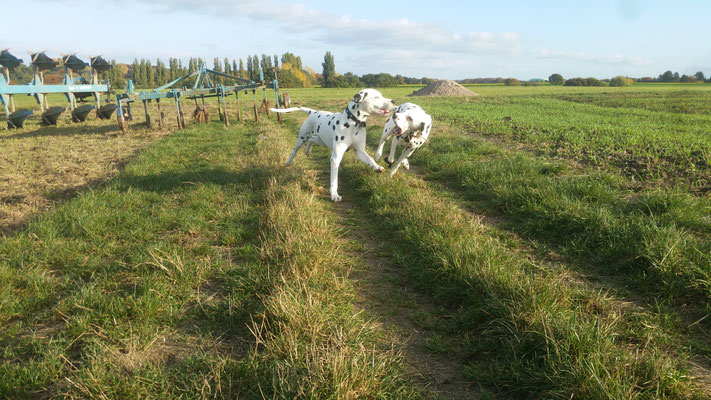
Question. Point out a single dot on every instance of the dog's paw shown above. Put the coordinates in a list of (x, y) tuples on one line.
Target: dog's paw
[(379, 169), (336, 198), (405, 164), (392, 172)]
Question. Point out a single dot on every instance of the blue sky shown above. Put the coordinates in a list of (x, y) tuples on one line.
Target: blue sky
[(444, 39)]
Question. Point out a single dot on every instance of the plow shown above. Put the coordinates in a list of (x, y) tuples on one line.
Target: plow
[(74, 88), (205, 86), (78, 89)]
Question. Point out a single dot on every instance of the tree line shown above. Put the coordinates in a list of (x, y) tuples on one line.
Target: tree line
[(668, 76)]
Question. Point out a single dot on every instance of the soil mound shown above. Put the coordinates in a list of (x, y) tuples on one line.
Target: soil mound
[(444, 88)]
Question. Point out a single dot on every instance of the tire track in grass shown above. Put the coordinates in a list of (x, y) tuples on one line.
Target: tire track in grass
[(433, 361), (403, 314)]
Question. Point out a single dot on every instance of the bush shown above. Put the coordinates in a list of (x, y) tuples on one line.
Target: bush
[(583, 82), (512, 82), (621, 81), (556, 79)]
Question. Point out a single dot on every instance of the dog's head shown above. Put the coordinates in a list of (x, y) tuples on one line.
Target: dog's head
[(409, 120), (371, 101)]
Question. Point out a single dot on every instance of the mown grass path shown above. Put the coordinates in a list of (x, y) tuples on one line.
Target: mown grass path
[(404, 315)]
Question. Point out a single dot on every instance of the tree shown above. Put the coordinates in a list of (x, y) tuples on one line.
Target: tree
[(556, 79), (135, 71), (668, 76), (142, 74), (150, 75), (512, 82), (290, 77), (593, 82), (255, 68), (621, 81), (217, 66), (329, 68), (242, 71), (379, 80), (228, 67), (700, 76), (161, 73), (267, 68), (688, 79), (292, 59)]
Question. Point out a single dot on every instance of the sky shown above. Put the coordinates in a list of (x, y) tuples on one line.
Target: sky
[(444, 39)]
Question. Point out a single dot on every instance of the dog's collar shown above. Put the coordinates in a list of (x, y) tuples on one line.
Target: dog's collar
[(353, 117)]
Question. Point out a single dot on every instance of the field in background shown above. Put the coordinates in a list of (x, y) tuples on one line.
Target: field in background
[(549, 242)]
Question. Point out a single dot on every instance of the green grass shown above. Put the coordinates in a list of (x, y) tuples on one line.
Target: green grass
[(524, 329), (562, 232), (188, 276)]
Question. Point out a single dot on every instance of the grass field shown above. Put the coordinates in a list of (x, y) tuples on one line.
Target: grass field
[(548, 242)]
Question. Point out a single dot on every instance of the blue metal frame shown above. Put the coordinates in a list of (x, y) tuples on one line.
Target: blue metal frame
[(204, 87), (39, 90)]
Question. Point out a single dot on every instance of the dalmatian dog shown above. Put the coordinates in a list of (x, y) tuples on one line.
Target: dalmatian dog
[(410, 125), (341, 131)]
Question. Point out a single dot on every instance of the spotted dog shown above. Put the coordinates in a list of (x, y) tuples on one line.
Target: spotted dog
[(341, 131), (410, 125)]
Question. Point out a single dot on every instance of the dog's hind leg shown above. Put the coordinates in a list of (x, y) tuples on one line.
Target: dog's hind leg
[(336, 157), (314, 139), (304, 135)]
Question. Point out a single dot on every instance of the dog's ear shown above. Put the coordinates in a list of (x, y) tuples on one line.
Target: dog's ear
[(360, 96)]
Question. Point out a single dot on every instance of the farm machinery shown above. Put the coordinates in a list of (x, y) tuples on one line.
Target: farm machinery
[(205, 86), (74, 88)]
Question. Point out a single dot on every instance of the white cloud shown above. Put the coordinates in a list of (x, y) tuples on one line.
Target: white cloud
[(347, 31)]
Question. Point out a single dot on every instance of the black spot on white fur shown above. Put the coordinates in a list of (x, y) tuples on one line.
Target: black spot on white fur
[(342, 137), (347, 125)]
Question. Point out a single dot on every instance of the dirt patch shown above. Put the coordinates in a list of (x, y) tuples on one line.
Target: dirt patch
[(41, 166), (444, 88)]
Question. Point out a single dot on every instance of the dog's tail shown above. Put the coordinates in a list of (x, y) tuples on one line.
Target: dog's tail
[(292, 109)]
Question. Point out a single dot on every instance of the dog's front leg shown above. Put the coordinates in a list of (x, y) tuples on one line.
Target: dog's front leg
[(391, 158), (379, 152), (336, 157), (367, 160), (405, 153)]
